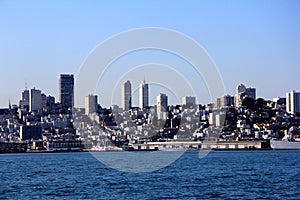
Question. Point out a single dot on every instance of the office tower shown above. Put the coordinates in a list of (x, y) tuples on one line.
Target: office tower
[(50, 104), (44, 100), (35, 99), (293, 102), (162, 106), (66, 90), (143, 95), (24, 102), (126, 95), (241, 93), (188, 101), (91, 104), (226, 101)]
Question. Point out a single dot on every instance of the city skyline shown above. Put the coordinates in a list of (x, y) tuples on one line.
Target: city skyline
[(195, 99), (33, 97), (253, 42)]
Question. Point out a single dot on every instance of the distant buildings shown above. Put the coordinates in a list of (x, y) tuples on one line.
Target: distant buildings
[(188, 101), (126, 96), (143, 95), (66, 90), (91, 104), (241, 93), (224, 101), (35, 98), (162, 106), (293, 102), (227, 101), (24, 102), (42, 123)]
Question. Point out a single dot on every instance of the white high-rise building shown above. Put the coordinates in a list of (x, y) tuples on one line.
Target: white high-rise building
[(143, 95), (293, 102), (162, 106), (35, 100), (91, 104), (126, 95)]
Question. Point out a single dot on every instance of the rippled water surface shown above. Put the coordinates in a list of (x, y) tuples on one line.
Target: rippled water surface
[(232, 174)]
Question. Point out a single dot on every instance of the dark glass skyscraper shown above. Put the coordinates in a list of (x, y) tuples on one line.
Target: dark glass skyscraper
[(66, 90), (126, 95)]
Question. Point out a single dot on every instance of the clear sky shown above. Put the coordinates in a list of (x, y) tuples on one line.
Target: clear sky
[(252, 42)]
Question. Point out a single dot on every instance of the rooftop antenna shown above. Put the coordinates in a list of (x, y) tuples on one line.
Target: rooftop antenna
[(25, 85)]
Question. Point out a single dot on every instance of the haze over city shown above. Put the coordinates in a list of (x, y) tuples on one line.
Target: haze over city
[(251, 42)]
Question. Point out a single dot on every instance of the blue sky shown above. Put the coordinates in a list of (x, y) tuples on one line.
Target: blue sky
[(252, 42)]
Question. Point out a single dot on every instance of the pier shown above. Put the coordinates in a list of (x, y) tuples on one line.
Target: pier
[(197, 145)]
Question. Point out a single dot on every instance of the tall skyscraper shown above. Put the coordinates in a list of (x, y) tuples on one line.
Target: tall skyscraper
[(162, 106), (66, 90), (293, 102), (126, 95), (35, 100), (143, 95), (241, 93), (91, 104)]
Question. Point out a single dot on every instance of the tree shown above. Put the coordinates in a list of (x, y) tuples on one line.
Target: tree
[(259, 104)]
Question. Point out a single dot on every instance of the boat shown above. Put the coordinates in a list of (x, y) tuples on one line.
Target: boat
[(104, 149), (290, 141), (285, 145)]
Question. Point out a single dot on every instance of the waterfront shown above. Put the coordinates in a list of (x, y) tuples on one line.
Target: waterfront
[(226, 174)]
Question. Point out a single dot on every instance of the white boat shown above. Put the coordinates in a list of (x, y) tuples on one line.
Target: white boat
[(171, 148), (285, 145), (103, 149)]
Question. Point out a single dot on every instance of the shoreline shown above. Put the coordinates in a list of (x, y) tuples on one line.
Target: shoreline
[(137, 151)]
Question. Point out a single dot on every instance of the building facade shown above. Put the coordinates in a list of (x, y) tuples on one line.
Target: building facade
[(24, 102), (293, 102), (242, 92), (66, 90), (126, 96), (227, 101), (162, 106), (143, 95), (30, 132), (35, 100), (188, 101), (91, 104)]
